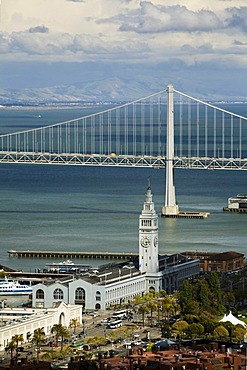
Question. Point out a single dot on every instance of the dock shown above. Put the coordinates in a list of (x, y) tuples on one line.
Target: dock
[(72, 255), (236, 210), (186, 214)]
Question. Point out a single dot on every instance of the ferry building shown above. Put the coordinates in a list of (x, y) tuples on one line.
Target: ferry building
[(117, 283)]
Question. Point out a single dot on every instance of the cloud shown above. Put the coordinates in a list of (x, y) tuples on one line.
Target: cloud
[(39, 29), (133, 33), (238, 18), (150, 18)]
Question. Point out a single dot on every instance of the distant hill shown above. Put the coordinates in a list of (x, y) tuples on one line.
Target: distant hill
[(110, 90), (105, 90)]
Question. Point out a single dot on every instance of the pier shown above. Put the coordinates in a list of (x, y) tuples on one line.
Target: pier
[(72, 255), (187, 214)]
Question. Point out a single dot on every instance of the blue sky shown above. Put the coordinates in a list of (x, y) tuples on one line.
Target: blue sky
[(193, 44)]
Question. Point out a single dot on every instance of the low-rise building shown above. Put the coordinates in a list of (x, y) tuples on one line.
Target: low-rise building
[(219, 262), (24, 321)]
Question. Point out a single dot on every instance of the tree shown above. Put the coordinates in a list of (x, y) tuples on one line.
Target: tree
[(238, 333), (186, 297), (143, 310), (195, 329), (203, 293), (180, 327), (165, 329), (11, 347), (38, 338), (169, 306), (17, 338), (220, 333), (152, 306), (60, 332), (216, 294), (74, 323)]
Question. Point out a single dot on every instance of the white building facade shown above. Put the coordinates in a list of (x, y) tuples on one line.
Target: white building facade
[(24, 321)]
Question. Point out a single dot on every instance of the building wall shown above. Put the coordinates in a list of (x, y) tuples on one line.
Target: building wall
[(96, 296), (40, 319)]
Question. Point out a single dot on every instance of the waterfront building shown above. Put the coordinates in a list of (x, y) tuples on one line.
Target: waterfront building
[(220, 262), (26, 320), (116, 283)]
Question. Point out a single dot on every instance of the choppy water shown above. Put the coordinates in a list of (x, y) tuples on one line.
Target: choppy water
[(95, 208)]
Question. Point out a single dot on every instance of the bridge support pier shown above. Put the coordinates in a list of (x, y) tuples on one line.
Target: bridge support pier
[(170, 207)]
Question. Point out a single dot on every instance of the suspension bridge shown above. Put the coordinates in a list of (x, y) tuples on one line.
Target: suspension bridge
[(168, 129)]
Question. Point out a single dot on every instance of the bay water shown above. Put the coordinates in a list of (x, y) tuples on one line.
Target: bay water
[(81, 208)]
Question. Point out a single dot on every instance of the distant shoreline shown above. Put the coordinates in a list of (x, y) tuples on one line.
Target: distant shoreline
[(50, 107), (89, 105)]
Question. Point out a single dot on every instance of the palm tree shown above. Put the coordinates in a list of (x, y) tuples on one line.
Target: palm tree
[(143, 310), (56, 331), (38, 338), (64, 333), (60, 332), (74, 323), (11, 347), (17, 338)]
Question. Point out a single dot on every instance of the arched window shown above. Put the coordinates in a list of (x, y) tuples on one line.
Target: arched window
[(58, 294), (151, 289), (40, 294), (97, 306), (80, 294), (98, 296)]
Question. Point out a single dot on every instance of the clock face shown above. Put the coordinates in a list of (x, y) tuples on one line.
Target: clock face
[(145, 242), (155, 241)]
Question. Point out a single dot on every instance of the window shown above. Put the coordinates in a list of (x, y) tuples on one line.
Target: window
[(98, 296), (80, 294), (58, 294), (40, 294)]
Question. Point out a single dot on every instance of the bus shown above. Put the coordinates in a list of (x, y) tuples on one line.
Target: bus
[(115, 324), (120, 314)]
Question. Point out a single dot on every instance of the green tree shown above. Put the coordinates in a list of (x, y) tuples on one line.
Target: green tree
[(195, 329), (238, 333), (165, 329), (143, 310), (60, 332), (216, 293), (38, 338), (17, 339), (10, 348), (152, 306), (220, 332), (74, 323), (186, 297), (180, 327)]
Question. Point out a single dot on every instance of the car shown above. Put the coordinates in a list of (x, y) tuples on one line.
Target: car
[(97, 325), (86, 347), (127, 345)]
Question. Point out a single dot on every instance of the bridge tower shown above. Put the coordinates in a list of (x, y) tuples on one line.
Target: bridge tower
[(170, 207)]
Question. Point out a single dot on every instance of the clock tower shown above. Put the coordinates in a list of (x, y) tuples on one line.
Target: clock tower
[(148, 235)]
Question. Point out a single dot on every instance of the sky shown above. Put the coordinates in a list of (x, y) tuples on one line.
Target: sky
[(195, 44)]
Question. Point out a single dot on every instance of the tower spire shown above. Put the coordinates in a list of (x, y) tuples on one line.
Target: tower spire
[(148, 235)]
